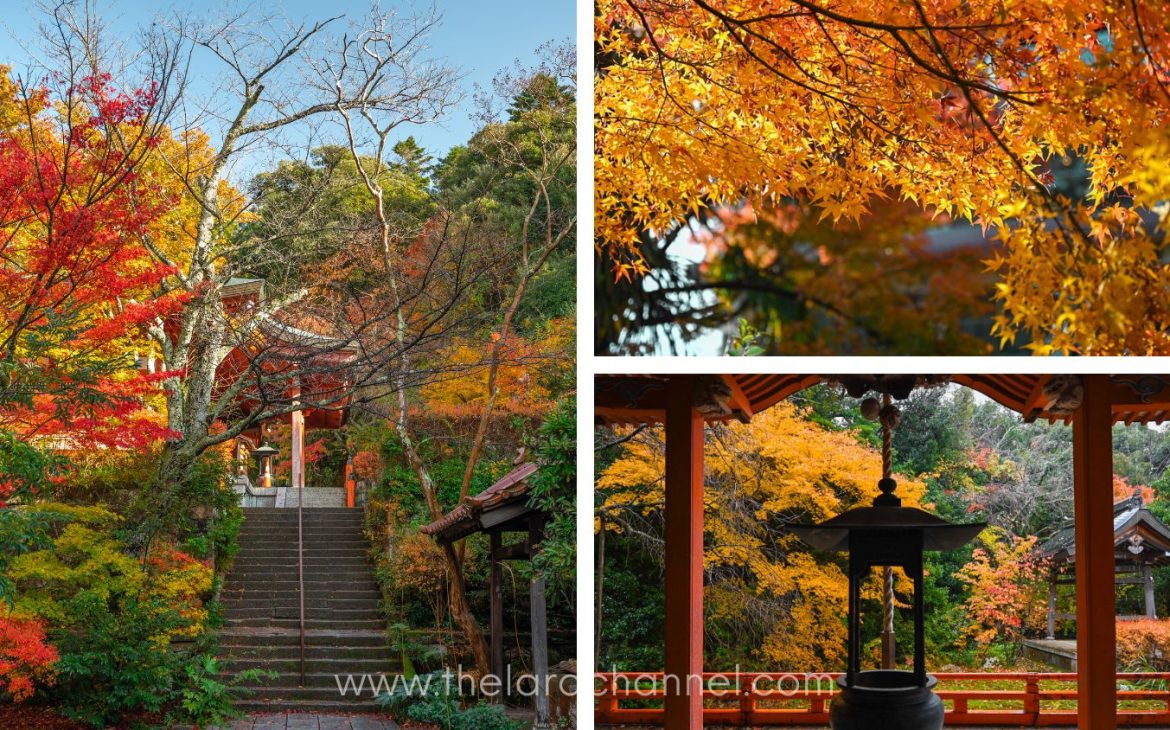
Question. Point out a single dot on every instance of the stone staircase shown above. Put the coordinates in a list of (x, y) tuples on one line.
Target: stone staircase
[(344, 628)]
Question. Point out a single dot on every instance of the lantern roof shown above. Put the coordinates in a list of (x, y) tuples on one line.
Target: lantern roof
[(937, 534)]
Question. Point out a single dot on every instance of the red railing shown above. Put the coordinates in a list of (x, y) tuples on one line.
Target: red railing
[(1026, 699)]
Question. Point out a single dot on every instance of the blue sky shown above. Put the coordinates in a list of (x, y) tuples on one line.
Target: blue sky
[(479, 38)]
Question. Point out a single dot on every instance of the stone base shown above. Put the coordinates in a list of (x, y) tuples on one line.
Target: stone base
[(315, 497), (1058, 653)]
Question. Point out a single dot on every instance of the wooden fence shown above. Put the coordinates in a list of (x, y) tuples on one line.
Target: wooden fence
[(1016, 699)]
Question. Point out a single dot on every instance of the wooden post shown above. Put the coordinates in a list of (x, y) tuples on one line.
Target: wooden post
[(496, 588), (539, 632), (1148, 582), (684, 566), (298, 450), (1052, 606), (350, 485), (1096, 600), (597, 614)]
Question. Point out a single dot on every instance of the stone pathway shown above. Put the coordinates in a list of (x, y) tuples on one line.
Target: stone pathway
[(310, 721)]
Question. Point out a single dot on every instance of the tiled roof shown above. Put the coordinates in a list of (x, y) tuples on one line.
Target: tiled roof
[(1130, 518), (466, 518)]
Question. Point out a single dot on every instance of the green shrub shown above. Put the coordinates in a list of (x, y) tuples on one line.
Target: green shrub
[(115, 658), (554, 490), (111, 616), (483, 716), (205, 698), (431, 701)]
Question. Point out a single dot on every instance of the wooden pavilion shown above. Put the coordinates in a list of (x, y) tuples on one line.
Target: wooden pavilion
[(685, 403), (506, 507), (1141, 541), (308, 366)]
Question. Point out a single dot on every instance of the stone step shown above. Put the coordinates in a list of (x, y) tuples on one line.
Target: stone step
[(290, 552), (314, 580), (319, 568), (314, 497), (323, 510), (329, 551), (309, 558), (288, 520), (284, 528), (377, 718), (291, 679), (319, 538), (314, 569), (314, 513), (325, 548), (313, 587), (367, 612), (313, 694), (253, 636), (345, 628), (266, 653), (287, 527), (292, 603), (292, 600), (330, 665), (317, 590), (324, 624)]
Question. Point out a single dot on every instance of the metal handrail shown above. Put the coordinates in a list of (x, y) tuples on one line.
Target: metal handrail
[(301, 572)]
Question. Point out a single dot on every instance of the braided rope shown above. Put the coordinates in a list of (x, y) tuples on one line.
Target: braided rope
[(887, 470), (887, 439)]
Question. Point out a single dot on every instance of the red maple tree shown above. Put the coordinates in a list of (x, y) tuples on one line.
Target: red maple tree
[(79, 284)]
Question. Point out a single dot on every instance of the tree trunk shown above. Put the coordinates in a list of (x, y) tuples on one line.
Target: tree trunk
[(461, 612)]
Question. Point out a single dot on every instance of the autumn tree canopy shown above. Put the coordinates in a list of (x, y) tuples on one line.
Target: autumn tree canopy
[(963, 109), (767, 596), (79, 291)]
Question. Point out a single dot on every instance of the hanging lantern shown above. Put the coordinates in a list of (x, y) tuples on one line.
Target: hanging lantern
[(886, 534)]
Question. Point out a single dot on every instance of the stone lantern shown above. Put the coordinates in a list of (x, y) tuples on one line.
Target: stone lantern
[(263, 456)]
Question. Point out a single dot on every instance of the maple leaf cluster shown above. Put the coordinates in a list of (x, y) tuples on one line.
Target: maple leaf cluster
[(26, 658), (965, 109), (779, 469), (1007, 576), (80, 288)]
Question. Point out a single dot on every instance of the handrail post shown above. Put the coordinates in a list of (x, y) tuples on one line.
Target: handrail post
[(301, 573), (607, 702), (1032, 698), (747, 703)]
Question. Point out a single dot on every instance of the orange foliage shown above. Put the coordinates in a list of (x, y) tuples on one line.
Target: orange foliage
[(181, 581), (1006, 576), (464, 393), (1144, 645), (367, 465), (965, 108), (25, 657), (761, 476), (1123, 490)]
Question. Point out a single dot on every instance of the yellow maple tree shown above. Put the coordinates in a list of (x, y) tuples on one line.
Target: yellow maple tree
[(779, 469), (966, 108)]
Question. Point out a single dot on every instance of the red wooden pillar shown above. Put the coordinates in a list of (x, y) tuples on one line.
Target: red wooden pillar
[(350, 485), (684, 557), (298, 450), (1096, 609)]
